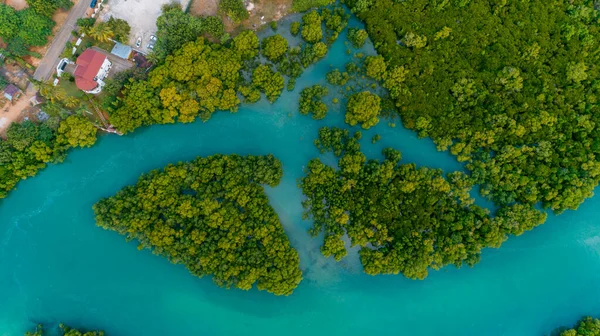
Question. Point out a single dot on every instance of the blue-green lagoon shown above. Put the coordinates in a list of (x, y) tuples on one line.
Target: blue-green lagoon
[(57, 266)]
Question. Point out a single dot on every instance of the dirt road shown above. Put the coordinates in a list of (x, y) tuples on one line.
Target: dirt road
[(50, 60)]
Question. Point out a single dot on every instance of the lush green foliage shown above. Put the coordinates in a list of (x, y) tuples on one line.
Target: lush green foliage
[(312, 53), (24, 28), (311, 27), (268, 81), (196, 80), (335, 77), (357, 37), (509, 86), (234, 9), (213, 216), (295, 28), (363, 108), (304, 5), (586, 327), (246, 44), (274, 47), (120, 29), (336, 19), (48, 7), (65, 331), (311, 101), (405, 219), (29, 147), (176, 28)]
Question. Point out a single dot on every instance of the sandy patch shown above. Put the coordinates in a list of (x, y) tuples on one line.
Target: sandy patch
[(16, 4), (140, 14), (204, 7), (13, 113), (263, 12)]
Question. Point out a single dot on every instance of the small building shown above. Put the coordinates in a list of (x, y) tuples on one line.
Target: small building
[(121, 50), (92, 68), (11, 92)]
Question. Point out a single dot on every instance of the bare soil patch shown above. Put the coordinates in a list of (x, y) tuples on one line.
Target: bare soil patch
[(263, 12), (16, 4), (140, 14), (204, 7)]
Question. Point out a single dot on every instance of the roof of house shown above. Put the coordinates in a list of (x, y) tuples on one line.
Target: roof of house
[(88, 66), (11, 90), (121, 50)]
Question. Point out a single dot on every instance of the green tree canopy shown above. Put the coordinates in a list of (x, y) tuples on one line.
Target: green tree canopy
[(405, 219), (311, 27), (274, 47), (586, 327), (311, 101), (213, 216), (77, 131), (513, 96), (363, 108), (234, 9), (246, 44)]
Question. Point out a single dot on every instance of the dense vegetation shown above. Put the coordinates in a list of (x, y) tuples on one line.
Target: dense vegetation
[(213, 216), (508, 86), (65, 331), (304, 5), (28, 27), (405, 219), (29, 147), (586, 327), (176, 28), (234, 9), (196, 77), (311, 101)]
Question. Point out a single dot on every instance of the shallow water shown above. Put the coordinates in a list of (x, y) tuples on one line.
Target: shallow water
[(57, 266)]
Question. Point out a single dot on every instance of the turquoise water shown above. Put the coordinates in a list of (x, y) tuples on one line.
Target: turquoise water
[(57, 266)]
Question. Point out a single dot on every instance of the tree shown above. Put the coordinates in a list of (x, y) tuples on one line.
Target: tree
[(213, 216), (101, 32), (311, 101), (120, 29), (246, 44), (50, 91), (363, 108), (65, 331), (586, 327), (86, 23), (268, 81), (9, 21), (274, 47), (313, 53), (72, 102), (34, 28), (376, 67), (399, 215), (357, 37), (295, 28), (235, 9), (76, 131), (304, 5), (311, 27)]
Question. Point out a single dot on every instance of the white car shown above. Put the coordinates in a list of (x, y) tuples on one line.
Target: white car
[(138, 43), (152, 42)]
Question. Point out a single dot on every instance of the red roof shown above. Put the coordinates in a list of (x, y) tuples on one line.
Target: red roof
[(88, 65)]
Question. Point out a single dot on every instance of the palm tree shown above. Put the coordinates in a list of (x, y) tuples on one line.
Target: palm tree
[(51, 92), (71, 102), (101, 32)]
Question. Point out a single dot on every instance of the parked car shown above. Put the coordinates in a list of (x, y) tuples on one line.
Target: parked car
[(152, 42), (138, 43)]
